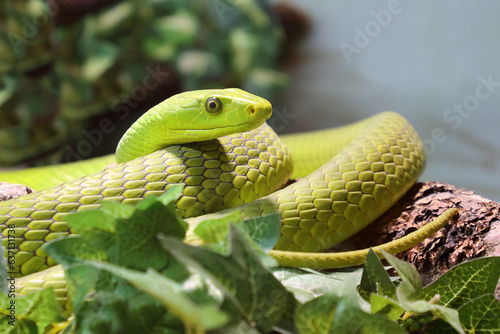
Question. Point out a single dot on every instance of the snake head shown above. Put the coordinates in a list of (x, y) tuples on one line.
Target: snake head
[(193, 116), (226, 110)]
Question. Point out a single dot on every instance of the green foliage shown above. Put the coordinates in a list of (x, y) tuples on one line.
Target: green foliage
[(32, 313), (465, 282), (409, 295), (254, 291), (330, 313), (129, 271), (375, 280), (195, 313), (61, 65), (481, 315)]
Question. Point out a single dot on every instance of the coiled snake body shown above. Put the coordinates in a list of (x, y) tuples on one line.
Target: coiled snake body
[(361, 170)]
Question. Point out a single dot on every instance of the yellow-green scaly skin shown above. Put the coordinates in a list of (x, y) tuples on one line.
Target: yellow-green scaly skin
[(373, 164), (219, 173)]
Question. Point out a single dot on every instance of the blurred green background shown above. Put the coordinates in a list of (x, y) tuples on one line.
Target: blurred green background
[(74, 74)]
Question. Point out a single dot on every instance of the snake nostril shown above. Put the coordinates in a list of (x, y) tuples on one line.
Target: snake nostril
[(252, 111)]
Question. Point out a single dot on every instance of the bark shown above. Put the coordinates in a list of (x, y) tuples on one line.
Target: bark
[(10, 190), (473, 233)]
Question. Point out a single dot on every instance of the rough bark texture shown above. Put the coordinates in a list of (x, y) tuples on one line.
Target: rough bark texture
[(474, 232)]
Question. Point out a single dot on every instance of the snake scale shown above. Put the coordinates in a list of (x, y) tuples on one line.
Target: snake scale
[(217, 143)]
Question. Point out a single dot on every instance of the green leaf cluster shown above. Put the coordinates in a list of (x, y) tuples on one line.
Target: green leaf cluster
[(129, 271), (33, 313), (460, 301)]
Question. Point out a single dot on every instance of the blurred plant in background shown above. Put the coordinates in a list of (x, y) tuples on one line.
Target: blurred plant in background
[(62, 62)]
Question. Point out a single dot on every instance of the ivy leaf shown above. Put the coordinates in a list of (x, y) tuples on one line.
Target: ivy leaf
[(249, 285), (316, 316), (481, 315), (125, 236), (375, 279), (351, 319), (117, 210), (80, 278), (262, 232), (387, 307), (214, 231), (36, 308), (465, 282), (131, 242), (124, 310), (67, 251), (447, 314), (330, 313), (410, 294), (410, 288), (307, 284), (171, 295), (122, 234), (21, 327)]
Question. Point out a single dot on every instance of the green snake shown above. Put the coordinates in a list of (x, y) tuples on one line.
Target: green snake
[(217, 143)]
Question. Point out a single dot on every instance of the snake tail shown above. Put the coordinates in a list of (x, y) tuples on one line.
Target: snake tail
[(352, 258)]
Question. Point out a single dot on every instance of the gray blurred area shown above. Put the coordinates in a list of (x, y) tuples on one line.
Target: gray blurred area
[(436, 63)]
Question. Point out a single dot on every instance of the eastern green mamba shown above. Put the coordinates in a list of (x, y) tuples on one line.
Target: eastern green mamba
[(217, 143)]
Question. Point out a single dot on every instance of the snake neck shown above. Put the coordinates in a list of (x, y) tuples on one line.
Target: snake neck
[(138, 140)]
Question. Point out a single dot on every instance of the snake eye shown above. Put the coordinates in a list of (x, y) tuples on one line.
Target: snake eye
[(213, 105)]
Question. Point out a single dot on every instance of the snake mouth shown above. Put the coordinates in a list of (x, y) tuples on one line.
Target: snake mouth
[(243, 127), (193, 135)]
